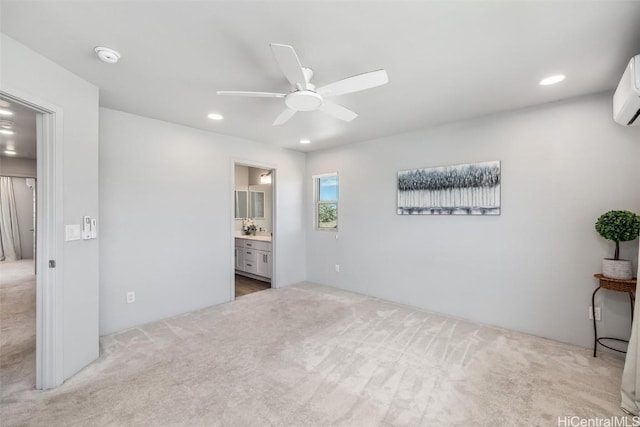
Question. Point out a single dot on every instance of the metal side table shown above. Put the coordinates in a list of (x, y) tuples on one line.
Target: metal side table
[(617, 285)]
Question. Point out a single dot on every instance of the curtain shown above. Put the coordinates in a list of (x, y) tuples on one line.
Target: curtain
[(631, 374), (10, 249)]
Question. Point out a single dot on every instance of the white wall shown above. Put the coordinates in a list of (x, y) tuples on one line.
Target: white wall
[(15, 166), (166, 217), (23, 71), (241, 177), (531, 268)]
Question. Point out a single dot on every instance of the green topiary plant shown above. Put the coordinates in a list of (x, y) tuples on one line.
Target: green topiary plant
[(619, 226)]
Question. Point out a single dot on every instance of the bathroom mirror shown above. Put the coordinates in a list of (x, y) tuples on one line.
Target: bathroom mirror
[(256, 204), (241, 202)]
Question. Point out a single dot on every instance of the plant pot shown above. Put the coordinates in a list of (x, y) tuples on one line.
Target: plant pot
[(617, 269)]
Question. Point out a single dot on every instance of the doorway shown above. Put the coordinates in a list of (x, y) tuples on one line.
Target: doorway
[(18, 246), (253, 228)]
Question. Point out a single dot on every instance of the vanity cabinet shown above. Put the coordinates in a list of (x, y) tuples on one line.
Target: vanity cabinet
[(263, 265), (239, 257), (254, 258)]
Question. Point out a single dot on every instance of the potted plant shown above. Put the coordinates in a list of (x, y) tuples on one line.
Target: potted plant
[(618, 226), (249, 226)]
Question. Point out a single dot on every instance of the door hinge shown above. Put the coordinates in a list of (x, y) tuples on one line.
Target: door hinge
[(52, 263)]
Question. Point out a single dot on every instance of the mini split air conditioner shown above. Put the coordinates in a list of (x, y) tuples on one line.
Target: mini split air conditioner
[(626, 99)]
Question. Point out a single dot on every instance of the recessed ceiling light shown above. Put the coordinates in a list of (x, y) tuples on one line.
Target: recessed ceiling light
[(10, 153), (4, 112), (107, 54), (7, 131), (215, 116), (552, 80), (305, 141)]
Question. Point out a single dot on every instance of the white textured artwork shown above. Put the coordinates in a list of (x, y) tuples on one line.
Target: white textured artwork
[(470, 189)]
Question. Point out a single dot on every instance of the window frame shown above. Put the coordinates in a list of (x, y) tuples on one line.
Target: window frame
[(317, 202)]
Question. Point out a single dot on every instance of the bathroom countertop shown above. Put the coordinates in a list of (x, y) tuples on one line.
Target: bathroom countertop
[(261, 238)]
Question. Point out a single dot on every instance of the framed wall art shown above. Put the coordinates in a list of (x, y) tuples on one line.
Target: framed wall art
[(469, 189)]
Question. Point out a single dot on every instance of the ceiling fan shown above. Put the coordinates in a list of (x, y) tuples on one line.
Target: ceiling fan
[(305, 96)]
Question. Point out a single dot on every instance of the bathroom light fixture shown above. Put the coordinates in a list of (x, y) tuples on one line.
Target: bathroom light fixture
[(552, 80), (10, 152), (7, 131), (107, 54), (4, 112), (305, 141), (265, 178), (215, 116)]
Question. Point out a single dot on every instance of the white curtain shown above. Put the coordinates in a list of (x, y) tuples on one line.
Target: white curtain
[(631, 373), (10, 249)]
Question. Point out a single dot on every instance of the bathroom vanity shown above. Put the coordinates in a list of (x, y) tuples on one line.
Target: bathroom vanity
[(254, 257)]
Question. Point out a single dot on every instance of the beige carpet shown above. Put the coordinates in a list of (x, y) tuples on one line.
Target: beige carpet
[(17, 326), (312, 355)]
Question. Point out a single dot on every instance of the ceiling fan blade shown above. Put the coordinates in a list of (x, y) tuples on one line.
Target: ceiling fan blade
[(290, 65), (284, 116), (354, 83), (254, 94), (338, 111)]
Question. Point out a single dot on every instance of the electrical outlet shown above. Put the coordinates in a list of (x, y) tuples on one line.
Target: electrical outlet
[(131, 297), (598, 312), (337, 268)]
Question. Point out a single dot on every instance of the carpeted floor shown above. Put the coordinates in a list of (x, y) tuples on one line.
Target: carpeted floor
[(17, 326), (311, 355)]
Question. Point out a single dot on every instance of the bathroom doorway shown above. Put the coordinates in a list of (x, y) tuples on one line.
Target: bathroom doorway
[(253, 232), (18, 174)]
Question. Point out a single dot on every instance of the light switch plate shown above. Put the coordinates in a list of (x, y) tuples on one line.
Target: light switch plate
[(73, 232), (86, 228)]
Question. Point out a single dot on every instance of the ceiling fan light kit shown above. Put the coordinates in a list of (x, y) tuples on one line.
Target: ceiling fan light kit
[(305, 96), (303, 100)]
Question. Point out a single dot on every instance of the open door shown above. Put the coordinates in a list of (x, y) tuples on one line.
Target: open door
[(67, 337)]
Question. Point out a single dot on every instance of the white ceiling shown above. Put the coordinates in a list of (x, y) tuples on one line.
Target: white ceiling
[(446, 61), (23, 120)]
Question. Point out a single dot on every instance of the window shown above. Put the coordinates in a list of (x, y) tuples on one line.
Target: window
[(326, 201)]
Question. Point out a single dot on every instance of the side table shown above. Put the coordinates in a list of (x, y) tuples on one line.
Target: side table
[(617, 285)]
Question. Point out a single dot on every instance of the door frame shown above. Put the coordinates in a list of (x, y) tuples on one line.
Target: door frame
[(49, 226), (274, 211)]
